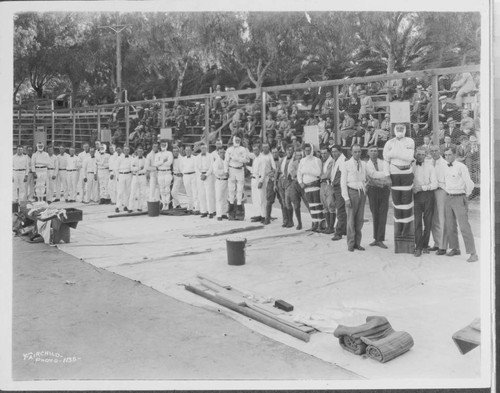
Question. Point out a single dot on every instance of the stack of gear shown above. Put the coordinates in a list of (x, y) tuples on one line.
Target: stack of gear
[(376, 338)]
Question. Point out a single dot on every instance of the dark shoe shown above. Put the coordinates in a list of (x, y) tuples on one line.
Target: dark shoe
[(382, 245), (374, 243), (219, 218), (315, 227), (240, 213), (196, 212), (56, 200), (224, 217), (203, 215), (101, 201), (435, 248), (231, 211), (425, 250), (117, 210), (336, 237), (417, 253), (299, 226), (441, 252), (351, 249), (67, 200), (267, 221), (360, 248), (256, 219), (473, 258), (211, 215), (453, 252), (125, 209), (139, 210), (130, 211)]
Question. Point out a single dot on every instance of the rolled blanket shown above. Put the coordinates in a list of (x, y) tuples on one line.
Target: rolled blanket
[(389, 347), (350, 336)]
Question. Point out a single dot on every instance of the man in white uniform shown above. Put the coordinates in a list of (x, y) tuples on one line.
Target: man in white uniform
[(124, 173), (62, 183), (39, 164), (103, 173), (234, 165), (163, 163), (81, 158), (90, 177), (72, 175), (20, 175), (114, 153), (220, 186), (139, 187), (152, 174), (30, 187), (187, 167), (205, 182), (177, 176), (52, 171)]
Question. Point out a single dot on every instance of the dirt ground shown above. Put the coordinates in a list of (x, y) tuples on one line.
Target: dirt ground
[(72, 320)]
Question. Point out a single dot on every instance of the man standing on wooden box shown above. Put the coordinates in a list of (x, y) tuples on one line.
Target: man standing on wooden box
[(378, 190), (458, 186), (39, 164), (425, 182), (20, 168), (398, 156), (52, 171), (163, 163), (353, 184)]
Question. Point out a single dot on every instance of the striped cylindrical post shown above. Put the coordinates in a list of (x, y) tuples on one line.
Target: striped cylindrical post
[(313, 197), (404, 220)]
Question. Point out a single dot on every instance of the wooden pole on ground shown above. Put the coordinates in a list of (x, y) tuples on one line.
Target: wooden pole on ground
[(127, 124), (336, 114), (435, 110)]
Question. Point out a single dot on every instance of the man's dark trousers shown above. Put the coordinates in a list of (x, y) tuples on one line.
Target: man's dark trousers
[(378, 197), (423, 209)]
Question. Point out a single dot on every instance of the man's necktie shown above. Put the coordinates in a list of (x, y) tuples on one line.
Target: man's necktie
[(419, 163), (375, 164), (450, 164)]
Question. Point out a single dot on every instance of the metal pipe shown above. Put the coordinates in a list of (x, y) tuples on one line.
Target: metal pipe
[(336, 114), (127, 124)]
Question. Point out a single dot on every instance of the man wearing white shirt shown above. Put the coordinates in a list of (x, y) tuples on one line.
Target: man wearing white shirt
[(458, 186), (187, 166), (103, 174), (234, 165), (353, 184), (81, 158), (341, 226), (72, 175), (20, 167), (62, 183), (52, 171), (378, 190), (308, 175), (152, 174), (218, 146), (220, 186), (424, 184), (398, 156), (138, 187), (438, 219), (177, 176), (90, 177), (163, 163), (114, 153), (327, 198), (205, 182), (124, 172), (39, 164)]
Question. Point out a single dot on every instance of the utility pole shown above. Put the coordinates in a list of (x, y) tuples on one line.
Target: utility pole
[(118, 29)]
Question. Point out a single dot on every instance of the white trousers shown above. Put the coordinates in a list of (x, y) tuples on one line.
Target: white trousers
[(438, 219), (138, 193), (41, 182), (235, 184), (80, 188), (154, 189), (51, 185), (103, 176), (72, 181), (123, 189), (176, 187), (259, 200), (62, 185), (164, 182), (30, 186), (112, 187), (206, 194), (18, 187), (191, 191), (220, 197), (91, 188)]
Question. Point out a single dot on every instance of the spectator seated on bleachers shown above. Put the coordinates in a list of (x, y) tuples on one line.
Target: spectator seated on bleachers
[(463, 84)]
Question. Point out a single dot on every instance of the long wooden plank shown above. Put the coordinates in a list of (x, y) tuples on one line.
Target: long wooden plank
[(248, 312), (226, 232), (269, 314), (126, 214)]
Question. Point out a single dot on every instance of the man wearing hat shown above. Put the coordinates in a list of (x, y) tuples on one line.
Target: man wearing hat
[(163, 163), (20, 167), (366, 104), (39, 164), (234, 167), (419, 102), (327, 198), (398, 156), (103, 174), (328, 105), (455, 132)]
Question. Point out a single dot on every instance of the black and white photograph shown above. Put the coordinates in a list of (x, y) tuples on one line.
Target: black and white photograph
[(240, 195)]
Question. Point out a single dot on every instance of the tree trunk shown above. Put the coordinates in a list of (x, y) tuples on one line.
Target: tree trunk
[(180, 80), (75, 86), (390, 63)]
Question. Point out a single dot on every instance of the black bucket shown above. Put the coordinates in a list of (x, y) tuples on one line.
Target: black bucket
[(154, 209), (236, 251)]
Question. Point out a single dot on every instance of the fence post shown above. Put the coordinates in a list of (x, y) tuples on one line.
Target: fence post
[(53, 122), (35, 108), (435, 110), (162, 115), (99, 124), (207, 119), (127, 124), (263, 131), (19, 126), (73, 130), (336, 114)]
